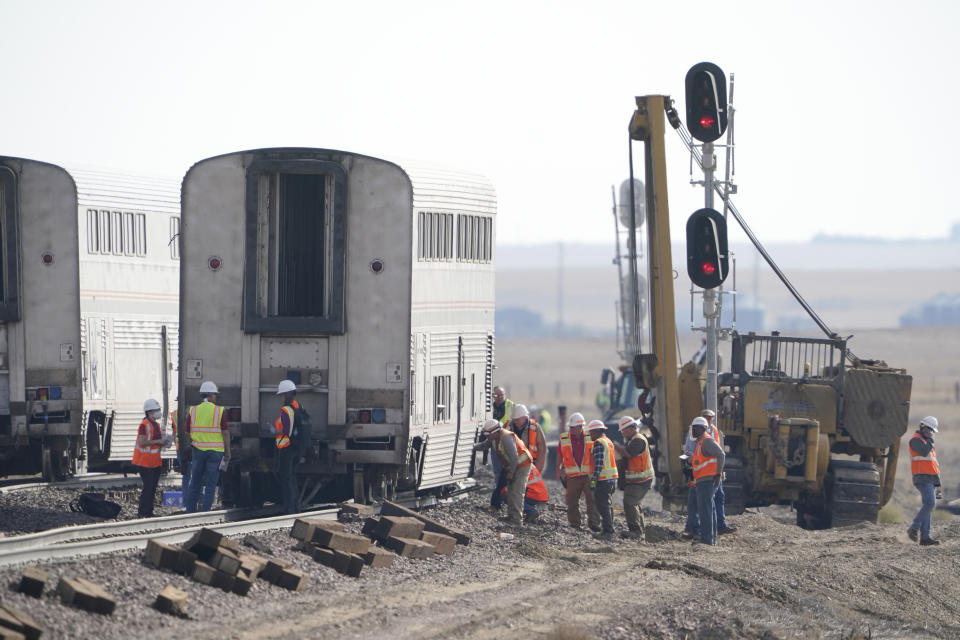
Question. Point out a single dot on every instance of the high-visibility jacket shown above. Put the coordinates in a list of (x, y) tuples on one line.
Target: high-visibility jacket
[(570, 467), (533, 446), (173, 426), (283, 440), (703, 466), (920, 464), (149, 455), (536, 489), (507, 410), (205, 433), (609, 469), (639, 468), (523, 454)]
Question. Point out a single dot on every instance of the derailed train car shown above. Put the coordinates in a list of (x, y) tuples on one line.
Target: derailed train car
[(368, 284), (88, 292)]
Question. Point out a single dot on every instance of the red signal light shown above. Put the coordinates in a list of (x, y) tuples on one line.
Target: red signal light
[(708, 268), (708, 122)]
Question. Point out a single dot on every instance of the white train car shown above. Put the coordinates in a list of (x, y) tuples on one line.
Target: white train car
[(89, 287), (368, 283), (129, 305)]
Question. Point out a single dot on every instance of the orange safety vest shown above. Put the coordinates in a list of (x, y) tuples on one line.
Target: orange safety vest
[(523, 454), (639, 468), (703, 466), (609, 470), (147, 456), (532, 437), (927, 464), (570, 467), (283, 441), (536, 489)]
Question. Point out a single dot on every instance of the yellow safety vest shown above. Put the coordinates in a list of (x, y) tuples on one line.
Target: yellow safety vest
[(609, 469), (205, 433)]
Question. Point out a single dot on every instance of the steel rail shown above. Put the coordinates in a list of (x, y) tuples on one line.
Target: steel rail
[(98, 481), (139, 541), (80, 532)]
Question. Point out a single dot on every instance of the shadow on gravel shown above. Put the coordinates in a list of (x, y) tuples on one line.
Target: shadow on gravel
[(22, 519)]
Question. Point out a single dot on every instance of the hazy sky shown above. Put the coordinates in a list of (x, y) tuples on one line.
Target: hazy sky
[(841, 106)]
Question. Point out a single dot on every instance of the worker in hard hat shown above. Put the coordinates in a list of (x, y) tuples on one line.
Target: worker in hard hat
[(638, 475), (531, 434), (206, 425), (287, 455), (603, 474), (146, 455), (926, 478), (707, 461), (719, 498), (574, 459), (502, 408), (516, 461)]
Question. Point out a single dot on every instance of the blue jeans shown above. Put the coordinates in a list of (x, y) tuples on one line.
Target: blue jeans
[(205, 471), (693, 512), (921, 523), (719, 499), (708, 514)]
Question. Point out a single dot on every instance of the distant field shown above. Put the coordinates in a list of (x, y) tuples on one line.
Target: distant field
[(844, 299)]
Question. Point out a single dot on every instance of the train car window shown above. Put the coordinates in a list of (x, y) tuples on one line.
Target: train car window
[(105, 236), (174, 237), (9, 246), (93, 231), (128, 233), (295, 249), (441, 398), (117, 228), (140, 234), (300, 239)]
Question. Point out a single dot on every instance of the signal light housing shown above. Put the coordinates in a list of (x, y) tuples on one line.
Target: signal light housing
[(706, 90), (707, 258)]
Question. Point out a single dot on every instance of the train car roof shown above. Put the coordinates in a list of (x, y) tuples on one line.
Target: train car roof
[(131, 191), (434, 186)]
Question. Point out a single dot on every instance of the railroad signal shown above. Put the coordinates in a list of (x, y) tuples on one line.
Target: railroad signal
[(706, 101), (707, 259)]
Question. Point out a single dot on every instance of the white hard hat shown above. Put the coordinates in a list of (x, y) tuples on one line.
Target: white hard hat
[(930, 423), (700, 421), (595, 425), (708, 413), (626, 422), (285, 386), (150, 405), (209, 387), (491, 426), (519, 411), (576, 420)]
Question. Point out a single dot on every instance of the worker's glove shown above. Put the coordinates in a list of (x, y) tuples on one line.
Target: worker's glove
[(167, 441), (593, 483), (939, 494), (223, 464)]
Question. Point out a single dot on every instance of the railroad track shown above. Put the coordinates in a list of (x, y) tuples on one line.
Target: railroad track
[(91, 481), (107, 537)]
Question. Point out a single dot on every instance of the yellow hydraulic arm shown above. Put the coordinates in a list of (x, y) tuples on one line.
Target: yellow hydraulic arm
[(658, 370)]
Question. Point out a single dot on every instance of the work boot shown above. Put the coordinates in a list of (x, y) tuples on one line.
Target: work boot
[(595, 528), (929, 542), (727, 529), (687, 534), (533, 516), (912, 534)]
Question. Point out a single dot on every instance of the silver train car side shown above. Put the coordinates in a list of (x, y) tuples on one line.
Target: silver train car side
[(367, 283), (80, 345)]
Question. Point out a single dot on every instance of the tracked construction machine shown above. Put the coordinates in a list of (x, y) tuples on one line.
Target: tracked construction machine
[(806, 422)]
